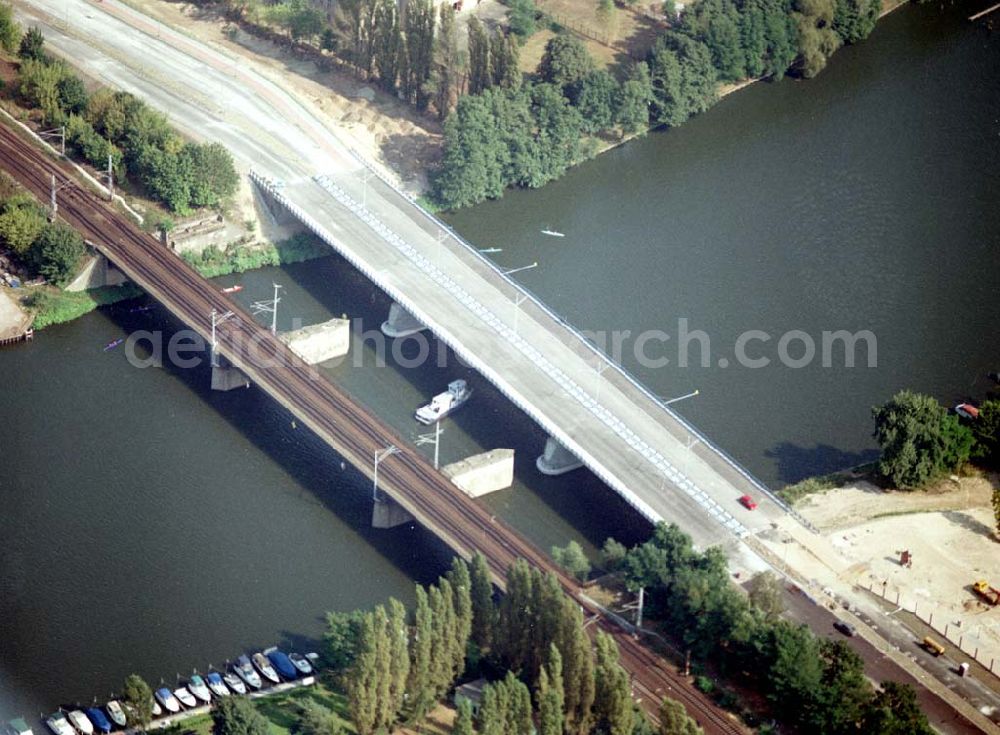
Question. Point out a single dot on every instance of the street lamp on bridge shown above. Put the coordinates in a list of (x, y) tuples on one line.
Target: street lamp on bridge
[(218, 319), (380, 455)]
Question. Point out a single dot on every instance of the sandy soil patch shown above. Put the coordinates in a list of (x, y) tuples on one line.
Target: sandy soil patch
[(13, 321)]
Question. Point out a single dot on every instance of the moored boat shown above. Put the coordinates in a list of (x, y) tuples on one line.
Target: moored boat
[(185, 697), (59, 725), (216, 684), (102, 723), (280, 661), (196, 685), (18, 726), (232, 289), (444, 403), (262, 665), (301, 663), (234, 682), (157, 710), (166, 698), (79, 721), (244, 669), (116, 712), (967, 411)]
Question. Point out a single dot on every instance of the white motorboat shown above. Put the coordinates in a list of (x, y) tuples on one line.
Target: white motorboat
[(156, 709), (234, 682), (185, 697), (116, 712), (59, 725), (81, 722), (265, 668), (301, 663), (244, 669), (196, 685), (216, 684), (166, 698), (444, 403)]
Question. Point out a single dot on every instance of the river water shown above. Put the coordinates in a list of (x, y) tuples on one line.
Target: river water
[(151, 525)]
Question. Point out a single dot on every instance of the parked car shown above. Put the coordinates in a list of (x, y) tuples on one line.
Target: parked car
[(747, 502), (846, 628)]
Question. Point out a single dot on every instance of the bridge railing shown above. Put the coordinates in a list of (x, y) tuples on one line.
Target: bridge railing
[(536, 303)]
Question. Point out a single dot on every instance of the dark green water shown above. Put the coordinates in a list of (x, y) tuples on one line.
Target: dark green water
[(867, 198), (150, 525)]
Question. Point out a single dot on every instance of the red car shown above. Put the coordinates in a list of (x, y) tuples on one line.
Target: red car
[(749, 503)]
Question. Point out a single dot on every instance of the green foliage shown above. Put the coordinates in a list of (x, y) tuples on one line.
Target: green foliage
[(10, 31), (683, 78), (419, 49), (894, 711), (312, 718), (343, 630), (214, 177), (920, 441), (88, 143), (483, 610), (421, 687), (38, 86), (613, 554), (521, 19), (506, 708), (463, 718), (137, 697), (613, 712), (57, 251), (480, 78), (212, 262), (504, 64), (21, 222), (551, 695), (72, 94), (32, 46), (565, 62), (572, 559), (674, 719), (634, 99), (854, 20), (596, 97), (817, 38), (794, 493), (237, 716), (986, 431), (299, 18), (764, 590)]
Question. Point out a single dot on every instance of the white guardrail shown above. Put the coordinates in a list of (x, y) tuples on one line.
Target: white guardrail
[(444, 281)]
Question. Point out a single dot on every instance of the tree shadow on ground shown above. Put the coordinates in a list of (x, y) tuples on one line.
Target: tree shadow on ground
[(795, 463), (968, 522)]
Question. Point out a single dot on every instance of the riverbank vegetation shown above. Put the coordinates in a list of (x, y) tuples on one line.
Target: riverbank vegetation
[(147, 155), (813, 684), (240, 257)]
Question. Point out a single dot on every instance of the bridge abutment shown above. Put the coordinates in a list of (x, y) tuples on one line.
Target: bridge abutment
[(401, 323), (225, 377), (556, 459)]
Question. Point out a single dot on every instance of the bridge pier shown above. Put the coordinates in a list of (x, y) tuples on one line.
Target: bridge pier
[(556, 459), (225, 377), (387, 513), (400, 323)]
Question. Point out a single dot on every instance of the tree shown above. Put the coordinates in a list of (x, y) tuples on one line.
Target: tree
[(572, 559), (551, 695), (854, 20), (632, 113), (817, 39), (578, 668), (674, 719), (445, 61), (683, 78), (21, 222), (844, 693), (521, 19), (420, 687), (399, 657), (418, 31), (38, 86), (565, 62), (894, 711), (483, 610), (461, 587), (479, 58), (613, 711), (388, 43), (463, 718), (919, 440), (343, 631), (595, 96), (237, 716), (363, 680), (72, 94), (504, 64), (613, 554), (506, 708), (137, 697), (57, 252), (764, 589), (315, 719), (32, 45), (213, 174), (986, 431), (10, 31)]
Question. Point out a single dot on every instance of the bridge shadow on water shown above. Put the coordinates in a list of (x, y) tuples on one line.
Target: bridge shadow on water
[(796, 463)]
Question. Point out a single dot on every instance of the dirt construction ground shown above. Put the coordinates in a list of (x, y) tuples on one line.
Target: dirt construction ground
[(950, 533)]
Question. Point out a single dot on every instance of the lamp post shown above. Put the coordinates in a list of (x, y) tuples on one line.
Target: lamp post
[(380, 455), (269, 307), (217, 319), (434, 439)]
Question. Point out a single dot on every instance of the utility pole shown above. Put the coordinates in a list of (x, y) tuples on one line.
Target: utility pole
[(269, 307), (434, 439), (111, 180), (217, 319), (638, 612), (379, 456)]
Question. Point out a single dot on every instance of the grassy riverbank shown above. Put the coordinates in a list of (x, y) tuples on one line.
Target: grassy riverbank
[(213, 262), (51, 305)]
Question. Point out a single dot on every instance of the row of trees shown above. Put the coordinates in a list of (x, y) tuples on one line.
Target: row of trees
[(395, 667), (49, 249), (142, 145), (816, 685), (921, 441)]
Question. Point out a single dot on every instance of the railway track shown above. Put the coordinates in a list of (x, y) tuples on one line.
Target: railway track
[(328, 411)]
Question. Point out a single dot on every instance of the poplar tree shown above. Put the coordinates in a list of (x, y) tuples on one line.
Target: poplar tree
[(479, 57), (418, 27), (613, 709), (362, 683), (551, 700), (674, 719), (483, 610), (399, 656), (461, 587), (421, 688), (515, 621), (445, 60), (388, 40), (578, 668), (383, 670), (463, 720)]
